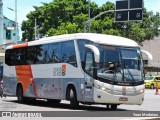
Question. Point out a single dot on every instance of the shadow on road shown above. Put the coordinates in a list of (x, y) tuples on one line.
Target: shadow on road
[(43, 103)]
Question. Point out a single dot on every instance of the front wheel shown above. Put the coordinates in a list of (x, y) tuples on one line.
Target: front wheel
[(73, 98)]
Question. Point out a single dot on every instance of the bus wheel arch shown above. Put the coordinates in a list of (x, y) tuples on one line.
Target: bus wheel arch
[(71, 95)]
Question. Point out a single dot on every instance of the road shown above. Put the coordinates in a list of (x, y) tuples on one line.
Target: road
[(151, 103)]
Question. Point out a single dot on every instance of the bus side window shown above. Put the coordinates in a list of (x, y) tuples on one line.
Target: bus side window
[(54, 53), (42, 54), (20, 56), (82, 50), (68, 53), (9, 57), (31, 55)]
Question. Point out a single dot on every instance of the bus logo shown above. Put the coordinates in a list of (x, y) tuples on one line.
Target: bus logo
[(63, 70), (60, 71)]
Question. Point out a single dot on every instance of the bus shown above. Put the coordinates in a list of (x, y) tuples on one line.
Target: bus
[(87, 68)]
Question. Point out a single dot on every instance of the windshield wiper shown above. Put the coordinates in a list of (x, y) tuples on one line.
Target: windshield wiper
[(130, 74)]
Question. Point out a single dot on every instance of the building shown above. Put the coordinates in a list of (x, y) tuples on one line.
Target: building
[(10, 36), (153, 47)]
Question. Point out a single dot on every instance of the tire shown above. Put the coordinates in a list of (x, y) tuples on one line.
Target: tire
[(113, 107), (72, 98), (20, 97), (152, 86), (108, 106), (53, 101)]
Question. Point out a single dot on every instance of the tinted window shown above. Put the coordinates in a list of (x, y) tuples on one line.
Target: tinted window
[(15, 56), (19, 56), (68, 53), (9, 57), (82, 50), (42, 54), (31, 56), (54, 53), (89, 64)]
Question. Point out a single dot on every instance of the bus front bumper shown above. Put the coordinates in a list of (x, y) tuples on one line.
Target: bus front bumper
[(111, 98)]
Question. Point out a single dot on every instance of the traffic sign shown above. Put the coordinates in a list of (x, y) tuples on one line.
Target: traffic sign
[(129, 10), (121, 16), (136, 4), (121, 5), (135, 14)]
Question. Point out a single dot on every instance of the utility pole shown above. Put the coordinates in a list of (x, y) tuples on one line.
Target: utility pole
[(35, 29), (89, 17), (16, 24), (1, 22)]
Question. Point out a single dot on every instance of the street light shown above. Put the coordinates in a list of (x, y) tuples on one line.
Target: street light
[(16, 26), (85, 22), (89, 17), (1, 22)]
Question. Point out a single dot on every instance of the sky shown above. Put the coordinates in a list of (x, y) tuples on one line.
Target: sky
[(25, 6)]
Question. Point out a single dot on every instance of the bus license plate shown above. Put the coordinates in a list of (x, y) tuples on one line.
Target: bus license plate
[(123, 99)]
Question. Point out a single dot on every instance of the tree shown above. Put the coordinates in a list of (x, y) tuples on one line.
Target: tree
[(68, 16)]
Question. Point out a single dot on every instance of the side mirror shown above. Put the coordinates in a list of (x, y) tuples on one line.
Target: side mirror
[(150, 57), (95, 51)]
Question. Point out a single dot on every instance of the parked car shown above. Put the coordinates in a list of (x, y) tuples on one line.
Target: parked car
[(152, 81)]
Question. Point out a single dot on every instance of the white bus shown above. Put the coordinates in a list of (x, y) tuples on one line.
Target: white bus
[(85, 68)]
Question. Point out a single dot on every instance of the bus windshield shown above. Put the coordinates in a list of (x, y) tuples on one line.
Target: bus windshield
[(119, 64)]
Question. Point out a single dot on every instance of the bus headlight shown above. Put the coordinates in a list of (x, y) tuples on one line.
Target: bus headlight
[(103, 88), (140, 91)]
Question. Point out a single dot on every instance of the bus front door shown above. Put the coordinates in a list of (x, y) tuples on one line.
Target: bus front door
[(88, 78)]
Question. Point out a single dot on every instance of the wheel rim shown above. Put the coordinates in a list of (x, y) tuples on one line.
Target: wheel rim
[(71, 96)]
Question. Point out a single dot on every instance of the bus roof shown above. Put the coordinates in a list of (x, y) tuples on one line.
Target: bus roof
[(94, 37)]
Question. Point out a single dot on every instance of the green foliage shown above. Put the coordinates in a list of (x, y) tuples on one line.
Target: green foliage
[(68, 16)]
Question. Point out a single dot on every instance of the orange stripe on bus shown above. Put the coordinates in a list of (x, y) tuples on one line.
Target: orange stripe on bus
[(20, 45), (34, 88), (24, 76)]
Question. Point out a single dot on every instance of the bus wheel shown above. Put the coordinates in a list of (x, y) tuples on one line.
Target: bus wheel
[(152, 86), (73, 98), (20, 96), (108, 106), (53, 101), (114, 107)]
